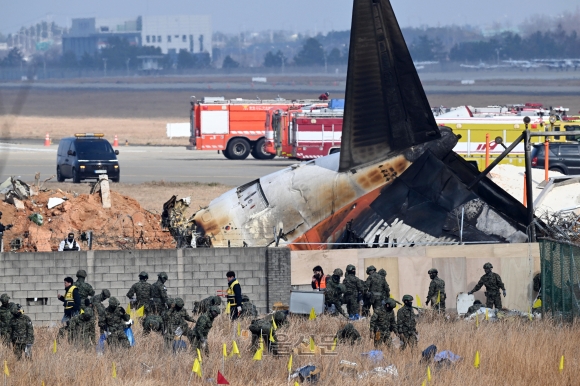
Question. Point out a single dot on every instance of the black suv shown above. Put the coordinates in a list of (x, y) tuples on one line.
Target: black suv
[(564, 157), (86, 156)]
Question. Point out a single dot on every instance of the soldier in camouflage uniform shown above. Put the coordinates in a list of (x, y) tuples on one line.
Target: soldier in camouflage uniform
[(198, 335), (152, 322), (176, 323), (202, 306), (82, 326), (436, 291), (492, 282), (5, 317), (249, 310), (21, 333), (406, 323), (383, 323), (353, 295), (387, 293), (348, 334), (85, 289), (334, 293), (159, 294), (376, 287), (476, 306), (142, 291), (97, 302), (114, 324), (264, 327)]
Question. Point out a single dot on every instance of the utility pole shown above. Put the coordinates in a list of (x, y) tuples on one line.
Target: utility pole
[(105, 67)]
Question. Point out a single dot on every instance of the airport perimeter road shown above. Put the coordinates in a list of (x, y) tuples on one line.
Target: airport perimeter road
[(142, 164)]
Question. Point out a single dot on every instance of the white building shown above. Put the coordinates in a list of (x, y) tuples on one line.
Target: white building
[(188, 32)]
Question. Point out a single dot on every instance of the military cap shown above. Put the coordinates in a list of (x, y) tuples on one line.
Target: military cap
[(487, 265), (170, 301), (214, 310), (81, 273), (144, 274), (370, 268), (338, 272), (179, 302), (477, 302), (407, 297), (4, 298), (432, 270), (382, 272), (391, 302), (106, 293), (245, 298), (162, 275), (350, 267), (113, 302)]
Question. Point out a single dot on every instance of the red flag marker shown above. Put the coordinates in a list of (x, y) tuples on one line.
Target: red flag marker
[(221, 380)]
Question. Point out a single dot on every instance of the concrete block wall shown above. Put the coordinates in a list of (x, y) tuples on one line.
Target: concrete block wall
[(193, 274)]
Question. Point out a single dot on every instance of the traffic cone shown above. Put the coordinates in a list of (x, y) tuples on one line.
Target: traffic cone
[(116, 141), (47, 140)]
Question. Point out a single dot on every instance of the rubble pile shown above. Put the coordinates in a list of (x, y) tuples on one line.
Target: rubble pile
[(126, 225)]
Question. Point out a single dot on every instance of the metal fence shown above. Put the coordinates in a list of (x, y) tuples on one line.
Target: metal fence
[(560, 262)]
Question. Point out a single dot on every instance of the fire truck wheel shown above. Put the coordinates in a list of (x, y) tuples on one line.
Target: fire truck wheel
[(238, 148), (259, 150)]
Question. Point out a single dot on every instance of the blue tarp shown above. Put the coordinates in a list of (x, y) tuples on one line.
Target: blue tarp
[(336, 104)]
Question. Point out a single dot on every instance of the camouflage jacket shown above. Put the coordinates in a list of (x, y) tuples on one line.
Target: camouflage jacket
[(353, 285), (143, 291), (83, 324), (177, 318), (263, 325), (437, 286), (406, 323), (99, 307), (334, 290), (348, 334), (492, 283), (383, 321), (249, 310), (115, 319), (202, 327), (5, 318), (159, 292), (377, 285), (85, 289), (203, 305), (21, 330)]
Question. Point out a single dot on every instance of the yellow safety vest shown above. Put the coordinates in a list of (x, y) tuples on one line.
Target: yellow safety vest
[(69, 301), (231, 294)]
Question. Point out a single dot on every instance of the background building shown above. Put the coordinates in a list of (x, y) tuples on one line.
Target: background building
[(174, 33)]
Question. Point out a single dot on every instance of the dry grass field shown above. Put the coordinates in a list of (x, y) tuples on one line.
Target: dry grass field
[(516, 353)]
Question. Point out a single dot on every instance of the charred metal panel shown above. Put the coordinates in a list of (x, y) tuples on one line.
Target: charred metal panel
[(386, 108)]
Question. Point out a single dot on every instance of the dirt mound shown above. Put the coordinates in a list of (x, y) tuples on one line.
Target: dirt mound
[(126, 225)]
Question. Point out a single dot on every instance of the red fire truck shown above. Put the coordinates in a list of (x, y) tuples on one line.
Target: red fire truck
[(305, 133), (235, 126)]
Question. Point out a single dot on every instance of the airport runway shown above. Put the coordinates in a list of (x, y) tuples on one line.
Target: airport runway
[(142, 164)]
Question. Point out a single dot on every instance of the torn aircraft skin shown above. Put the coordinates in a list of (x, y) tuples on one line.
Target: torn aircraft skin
[(396, 176)]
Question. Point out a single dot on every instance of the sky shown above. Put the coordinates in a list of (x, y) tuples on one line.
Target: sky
[(232, 16)]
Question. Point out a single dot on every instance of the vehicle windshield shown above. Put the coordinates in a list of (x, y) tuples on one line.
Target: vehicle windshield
[(94, 149)]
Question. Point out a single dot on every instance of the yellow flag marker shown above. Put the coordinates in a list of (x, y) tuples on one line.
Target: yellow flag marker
[(261, 344), (6, 371), (82, 311), (199, 355), (271, 338), (424, 383), (429, 373), (486, 314), (141, 311), (235, 349), (239, 329), (538, 303), (476, 320), (312, 345), (54, 347), (225, 350), (334, 344), (476, 361), (196, 367), (296, 383), (128, 309), (42, 383), (228, 308), (274, 323), (418, 301), (561, 367), (312, 314), (114, 370), (258, 355), (290, 364), (438, 297)]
